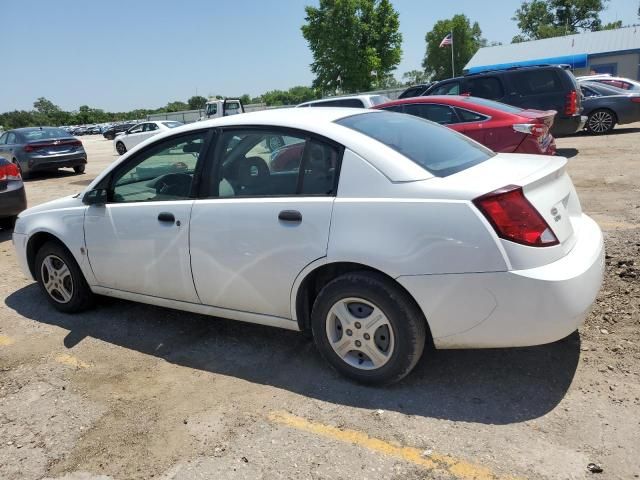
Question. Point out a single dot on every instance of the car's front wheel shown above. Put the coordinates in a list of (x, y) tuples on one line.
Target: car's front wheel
[(61, 280), (368, 328), (79, 169), (600, 122), (120, 148)]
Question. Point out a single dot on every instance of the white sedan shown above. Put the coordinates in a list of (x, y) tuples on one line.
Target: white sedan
[(125, 141), (378, 232)]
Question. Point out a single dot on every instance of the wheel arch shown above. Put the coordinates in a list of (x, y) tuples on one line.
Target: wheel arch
[(316, 276), (35, 243)]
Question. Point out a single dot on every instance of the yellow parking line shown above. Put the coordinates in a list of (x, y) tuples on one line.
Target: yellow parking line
[(5, 341), (434, 461), (70, 360)]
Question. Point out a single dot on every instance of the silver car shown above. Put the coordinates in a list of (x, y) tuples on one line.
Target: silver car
[(35, 149)]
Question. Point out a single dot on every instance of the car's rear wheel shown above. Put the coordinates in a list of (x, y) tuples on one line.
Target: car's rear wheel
[(79, 169), (120, 148), (601, 122), (61, 279), (368, 328)]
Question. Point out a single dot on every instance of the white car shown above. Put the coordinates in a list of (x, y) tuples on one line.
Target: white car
[(618, 82), (125, 141), (377, 231), (351, 101)]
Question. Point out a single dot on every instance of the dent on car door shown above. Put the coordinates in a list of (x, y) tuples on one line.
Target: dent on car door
[(139, 240), (265, 217)]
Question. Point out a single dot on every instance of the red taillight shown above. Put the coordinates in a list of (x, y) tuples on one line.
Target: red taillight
[(10, 171), (571, 103), (635, 99), (535, 129), (514, 218)]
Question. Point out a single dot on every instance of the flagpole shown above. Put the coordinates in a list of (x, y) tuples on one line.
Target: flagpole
[(453, 70)]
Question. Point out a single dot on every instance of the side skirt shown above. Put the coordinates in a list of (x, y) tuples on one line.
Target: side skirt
[(249, 317)]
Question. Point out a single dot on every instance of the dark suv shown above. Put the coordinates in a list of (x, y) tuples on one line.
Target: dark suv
[(543, 87)]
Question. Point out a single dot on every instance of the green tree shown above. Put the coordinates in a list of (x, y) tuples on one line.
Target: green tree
[(467, 38), (196, 102), (413, 77), (245, 99), (355, 43), (553, 18), (176, 106)]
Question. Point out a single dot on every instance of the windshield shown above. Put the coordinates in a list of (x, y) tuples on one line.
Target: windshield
[(437, 149), (503, 107)]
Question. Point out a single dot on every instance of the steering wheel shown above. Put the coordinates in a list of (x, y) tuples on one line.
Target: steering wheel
[(174, 184)]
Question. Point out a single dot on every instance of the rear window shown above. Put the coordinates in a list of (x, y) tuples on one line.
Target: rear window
[(437, 149), (44, 134), (503, 107), (533, 82)]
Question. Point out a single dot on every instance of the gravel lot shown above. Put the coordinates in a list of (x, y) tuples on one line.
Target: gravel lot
[(132, 391)]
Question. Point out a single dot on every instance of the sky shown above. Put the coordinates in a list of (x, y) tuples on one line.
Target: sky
[(118, 54)]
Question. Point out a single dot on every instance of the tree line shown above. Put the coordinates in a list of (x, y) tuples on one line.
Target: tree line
[(357, 46)]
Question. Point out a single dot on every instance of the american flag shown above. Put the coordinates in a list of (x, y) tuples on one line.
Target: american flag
[(448, 40)]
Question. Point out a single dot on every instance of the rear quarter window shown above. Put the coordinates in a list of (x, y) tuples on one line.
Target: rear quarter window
[(534, 82), (439, 150)]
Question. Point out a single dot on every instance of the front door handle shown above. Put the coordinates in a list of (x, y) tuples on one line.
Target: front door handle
[(166, 217), (290, 216)]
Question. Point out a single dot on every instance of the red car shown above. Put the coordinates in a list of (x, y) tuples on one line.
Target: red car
[(501, 127)]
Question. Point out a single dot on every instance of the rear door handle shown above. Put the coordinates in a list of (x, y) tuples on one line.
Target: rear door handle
[(166, 217), (290, 216)]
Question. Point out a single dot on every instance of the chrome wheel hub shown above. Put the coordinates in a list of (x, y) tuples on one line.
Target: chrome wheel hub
[(56, 279), (360, 333), (600, 122)]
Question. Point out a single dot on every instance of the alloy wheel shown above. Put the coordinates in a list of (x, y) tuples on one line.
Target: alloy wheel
[(600, 122), (360, 333), (57, 279)]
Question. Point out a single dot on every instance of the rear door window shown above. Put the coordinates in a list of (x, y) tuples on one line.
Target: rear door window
[(442, 114), (535, 82), (439, 150), (449, 88), (485, 87)]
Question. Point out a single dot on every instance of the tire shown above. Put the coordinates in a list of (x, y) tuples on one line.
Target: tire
[(380, 354), (24, 175), (8, 223), (120, 148), (109, 137), (79, 169), (601, 122), (69, 292), (275, 142)]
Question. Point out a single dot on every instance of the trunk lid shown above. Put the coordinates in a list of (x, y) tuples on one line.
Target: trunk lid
[(54, 146), (546, 185)]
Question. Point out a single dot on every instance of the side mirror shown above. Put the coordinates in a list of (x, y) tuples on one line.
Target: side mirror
[(95, 197)]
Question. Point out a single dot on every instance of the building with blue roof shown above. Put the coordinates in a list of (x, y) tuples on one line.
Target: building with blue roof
[(616, 52)]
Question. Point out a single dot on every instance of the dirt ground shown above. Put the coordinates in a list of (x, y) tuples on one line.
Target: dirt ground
[(129, 391)]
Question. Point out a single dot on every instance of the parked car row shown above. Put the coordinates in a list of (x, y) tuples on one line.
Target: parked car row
[(595, 102)]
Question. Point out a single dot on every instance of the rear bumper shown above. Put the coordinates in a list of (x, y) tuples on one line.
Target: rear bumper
[(515, 308), (13, 200), (35, 163), (568, 125), (531, 145)]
